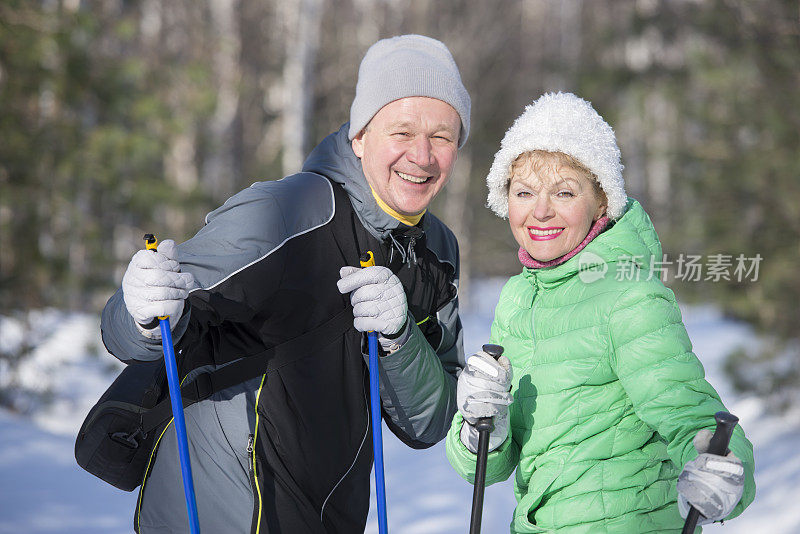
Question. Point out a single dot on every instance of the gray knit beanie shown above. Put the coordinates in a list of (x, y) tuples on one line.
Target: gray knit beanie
[(560, 122), (408, 65)]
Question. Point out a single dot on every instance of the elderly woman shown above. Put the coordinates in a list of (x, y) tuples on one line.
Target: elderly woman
[(608, 404)]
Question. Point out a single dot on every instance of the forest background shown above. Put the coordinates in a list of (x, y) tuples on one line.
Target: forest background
[(124, 117)]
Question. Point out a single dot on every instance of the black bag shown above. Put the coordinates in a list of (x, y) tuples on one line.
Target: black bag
[(119, 433), (112, 443)]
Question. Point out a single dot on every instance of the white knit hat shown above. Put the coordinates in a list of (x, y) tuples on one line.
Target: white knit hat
[(407, 65), (560, 122)]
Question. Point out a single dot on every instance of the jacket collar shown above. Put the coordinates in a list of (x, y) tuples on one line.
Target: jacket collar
[(334, 158)]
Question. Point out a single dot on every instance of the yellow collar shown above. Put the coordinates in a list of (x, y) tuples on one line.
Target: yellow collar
[(408, 220)]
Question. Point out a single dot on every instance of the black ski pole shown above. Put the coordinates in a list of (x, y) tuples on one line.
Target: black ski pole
[(485, 426), (726, 422)]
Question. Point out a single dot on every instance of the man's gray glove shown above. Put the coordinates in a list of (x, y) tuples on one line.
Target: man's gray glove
[(379, 302), (713, 484), (154, 286), (483, 391)]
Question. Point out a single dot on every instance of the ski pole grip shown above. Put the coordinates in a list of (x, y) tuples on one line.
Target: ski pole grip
[(367, 259), (151, 243), (726, 422), (495, 351), (486, 424)]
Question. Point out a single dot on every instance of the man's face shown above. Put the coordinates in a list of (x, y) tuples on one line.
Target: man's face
[(408, 150)]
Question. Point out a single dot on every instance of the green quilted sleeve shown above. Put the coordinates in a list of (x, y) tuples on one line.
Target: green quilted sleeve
[(500, 463), (653, 358)]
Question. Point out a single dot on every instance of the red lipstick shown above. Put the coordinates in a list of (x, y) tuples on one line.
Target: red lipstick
[(547, 237)]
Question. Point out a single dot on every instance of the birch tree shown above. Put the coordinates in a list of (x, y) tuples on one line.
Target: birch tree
[(302, 26)]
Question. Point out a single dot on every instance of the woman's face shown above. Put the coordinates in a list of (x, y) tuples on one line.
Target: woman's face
[(551, 206)]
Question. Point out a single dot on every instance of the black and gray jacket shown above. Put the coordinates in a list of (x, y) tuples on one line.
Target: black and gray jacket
[(290, 451)]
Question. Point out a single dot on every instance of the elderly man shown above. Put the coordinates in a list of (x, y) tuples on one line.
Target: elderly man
[(272, 273)]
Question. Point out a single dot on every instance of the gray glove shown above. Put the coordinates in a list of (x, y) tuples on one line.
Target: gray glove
[(378, 299), (713, 484), (483, 391), (154, 286)]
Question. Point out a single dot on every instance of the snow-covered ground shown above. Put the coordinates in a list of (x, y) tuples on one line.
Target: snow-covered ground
[(42, 490)]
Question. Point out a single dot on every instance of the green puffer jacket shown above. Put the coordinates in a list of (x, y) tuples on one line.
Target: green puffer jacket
[(607, 392)]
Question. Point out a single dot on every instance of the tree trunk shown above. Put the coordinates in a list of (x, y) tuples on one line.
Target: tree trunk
[(456, 208), (302, 19), (221, 174)]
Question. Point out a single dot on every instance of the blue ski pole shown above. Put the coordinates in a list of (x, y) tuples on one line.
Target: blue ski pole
[(177, 409), (368, 260)]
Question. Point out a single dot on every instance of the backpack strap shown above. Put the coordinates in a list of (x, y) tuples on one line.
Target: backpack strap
[(243, 369)]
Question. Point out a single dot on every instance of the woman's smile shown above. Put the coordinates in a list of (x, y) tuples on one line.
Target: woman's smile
[(544, 234)]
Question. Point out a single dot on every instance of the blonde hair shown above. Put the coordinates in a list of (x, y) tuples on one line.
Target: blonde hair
[(534, 161)]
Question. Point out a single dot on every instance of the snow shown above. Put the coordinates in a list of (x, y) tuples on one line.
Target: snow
[(42, 490)]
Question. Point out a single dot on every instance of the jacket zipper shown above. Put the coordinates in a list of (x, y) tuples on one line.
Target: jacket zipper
[(253, 466)]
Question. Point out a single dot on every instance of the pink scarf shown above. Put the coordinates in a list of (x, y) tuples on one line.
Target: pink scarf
[(528, 261)]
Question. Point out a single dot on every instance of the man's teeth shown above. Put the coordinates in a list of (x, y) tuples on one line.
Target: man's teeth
[(410, 178), (545, 232)]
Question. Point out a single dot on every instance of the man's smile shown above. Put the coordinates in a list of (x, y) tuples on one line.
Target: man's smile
[(412, 178)]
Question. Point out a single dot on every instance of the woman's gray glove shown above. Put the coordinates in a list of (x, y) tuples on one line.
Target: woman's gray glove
[(483, 391), (154, 286), (713, 484), (379, 301)]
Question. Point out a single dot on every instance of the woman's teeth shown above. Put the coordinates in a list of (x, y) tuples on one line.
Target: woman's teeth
[(410, 178), (545, 232)]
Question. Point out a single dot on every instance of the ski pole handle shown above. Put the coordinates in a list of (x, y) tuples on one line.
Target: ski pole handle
[(487, 423), (367, 259), (484, 426), (151, 243), (726, 422)]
